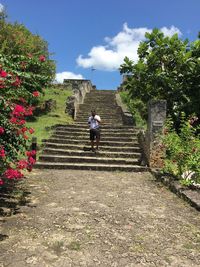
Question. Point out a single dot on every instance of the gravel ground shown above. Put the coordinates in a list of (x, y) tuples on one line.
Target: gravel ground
[(89, 218)]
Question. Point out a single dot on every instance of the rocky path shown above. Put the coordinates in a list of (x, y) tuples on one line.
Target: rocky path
[(108, 219)]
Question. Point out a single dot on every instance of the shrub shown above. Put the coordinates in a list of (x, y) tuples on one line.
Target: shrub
[(183, 150), (25, 69), (136, 107)]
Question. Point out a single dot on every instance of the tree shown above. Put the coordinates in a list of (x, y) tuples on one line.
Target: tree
[(168, 68)]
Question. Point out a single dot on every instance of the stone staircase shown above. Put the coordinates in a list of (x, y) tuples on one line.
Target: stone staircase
[(69, 146)]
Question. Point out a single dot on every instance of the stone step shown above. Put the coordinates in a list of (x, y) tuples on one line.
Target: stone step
[(102, 106), (87, 107), (114, 118), (98, 107), (103, 116), (103, 91), (103, 133), (78, 159), (90, 166), (89, 153), (77, 126), (87, 142), (104, 125), (85, 137), (116, 121), (103, 120), (132, 149), (98, 102)]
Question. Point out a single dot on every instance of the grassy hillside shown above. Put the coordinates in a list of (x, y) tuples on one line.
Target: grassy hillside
[(43, 122)]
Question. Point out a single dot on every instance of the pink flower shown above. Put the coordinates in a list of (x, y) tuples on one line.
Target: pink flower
[(17, 121), (1, 182), (13, 120), (2, 130), (42, 58), (13, 174), (17, 82), (29, 111), (2, 153), (31, 160), (31, 153), (22, 164), (18, 110), (3, 74), (36, 93)]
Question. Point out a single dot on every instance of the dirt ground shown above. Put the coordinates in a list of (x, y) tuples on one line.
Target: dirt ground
[(109, 219)]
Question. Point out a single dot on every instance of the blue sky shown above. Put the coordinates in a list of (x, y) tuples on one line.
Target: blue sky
[(98, 33)]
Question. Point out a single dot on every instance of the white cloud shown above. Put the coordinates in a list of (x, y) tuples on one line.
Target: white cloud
[(67, 75), (110, 56), (170, 31), (1, 8)]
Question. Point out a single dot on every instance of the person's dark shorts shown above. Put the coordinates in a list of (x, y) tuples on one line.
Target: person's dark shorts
[(94, 133)]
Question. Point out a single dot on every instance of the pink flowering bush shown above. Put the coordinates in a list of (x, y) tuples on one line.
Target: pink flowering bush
[(21, 81), (25, 69), (13, 140)]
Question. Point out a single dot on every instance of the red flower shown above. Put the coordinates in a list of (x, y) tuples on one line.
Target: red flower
[(3, 73), (1, 182), (42, 58), (2, 130), (36, 93), (17, 121), (31, 130), (18, 110), (17, 82), (13, 120), (22, 164), (25, 137), (31, 160), (31, 153), (2, 153), (13, 174), (29, 111), (24, 129)]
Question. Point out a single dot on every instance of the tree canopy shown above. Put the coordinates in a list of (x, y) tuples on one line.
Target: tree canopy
[(167, 68)]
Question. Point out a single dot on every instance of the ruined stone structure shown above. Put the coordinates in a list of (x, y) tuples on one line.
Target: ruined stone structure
[(150, 140), (69, 146)]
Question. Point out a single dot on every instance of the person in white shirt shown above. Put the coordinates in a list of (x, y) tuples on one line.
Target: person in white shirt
[(94, 124)]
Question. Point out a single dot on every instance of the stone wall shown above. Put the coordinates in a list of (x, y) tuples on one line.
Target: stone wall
[(79, 88), (126, 115), (151, 139)]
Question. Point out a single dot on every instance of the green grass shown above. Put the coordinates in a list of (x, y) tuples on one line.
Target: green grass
[(43, 122), (137, 108)]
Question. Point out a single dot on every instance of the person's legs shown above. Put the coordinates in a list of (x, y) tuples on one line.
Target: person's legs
[(97, 143), (92, 137), (92, 144), (97, 138)]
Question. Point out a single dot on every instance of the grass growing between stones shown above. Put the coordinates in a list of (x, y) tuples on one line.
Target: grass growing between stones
[(43, 122), (74, 245)]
